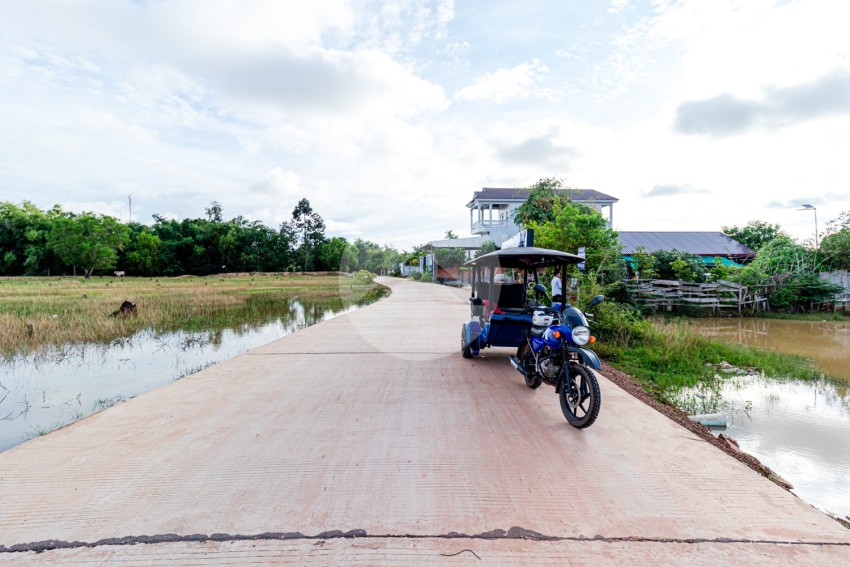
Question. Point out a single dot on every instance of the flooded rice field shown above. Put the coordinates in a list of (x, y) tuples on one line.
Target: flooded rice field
[(800, 429), (43, 391)]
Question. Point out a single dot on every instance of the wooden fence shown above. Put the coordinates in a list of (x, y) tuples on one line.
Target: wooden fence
[(717, 296)]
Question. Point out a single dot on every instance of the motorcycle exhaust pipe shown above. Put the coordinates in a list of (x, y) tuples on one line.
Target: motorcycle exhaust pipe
[(518, 365)]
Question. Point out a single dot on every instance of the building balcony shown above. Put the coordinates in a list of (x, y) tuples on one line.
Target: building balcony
[(486, 226)]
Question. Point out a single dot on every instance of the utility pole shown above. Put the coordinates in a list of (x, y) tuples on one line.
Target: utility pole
[(130, 201)]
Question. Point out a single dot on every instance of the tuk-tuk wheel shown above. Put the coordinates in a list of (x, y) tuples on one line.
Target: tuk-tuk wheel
[(465, 349)]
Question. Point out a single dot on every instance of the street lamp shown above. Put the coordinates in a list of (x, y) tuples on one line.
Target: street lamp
[(807, 207)]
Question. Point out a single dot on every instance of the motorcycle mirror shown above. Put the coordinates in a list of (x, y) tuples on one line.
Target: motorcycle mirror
[(539, 288), (596, 301)]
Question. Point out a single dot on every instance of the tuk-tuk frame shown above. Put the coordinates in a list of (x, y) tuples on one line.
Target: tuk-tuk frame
[(505, 318)]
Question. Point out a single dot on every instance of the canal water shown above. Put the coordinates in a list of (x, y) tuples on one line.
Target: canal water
[(44, 391), (800, 429)]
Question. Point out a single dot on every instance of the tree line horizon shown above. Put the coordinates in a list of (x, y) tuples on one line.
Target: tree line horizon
[(35, 242), (58, 242)]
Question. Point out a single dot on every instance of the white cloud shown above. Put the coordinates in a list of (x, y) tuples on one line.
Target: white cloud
[(618, 6), (672, 190), (280, 183), (521, 82), (740, 46), (178, 29), (778, 107), (327, 81), (542, 150), (101, 123)]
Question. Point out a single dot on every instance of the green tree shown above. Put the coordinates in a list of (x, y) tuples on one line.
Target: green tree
[(682, 269), (309, 228), (449, 257), (721, 272), (349, 261), (285, 248), (23, 239), (176, 246), (392, 259), (229, 251), (754, 234), (792, 274), (643, 263), (330, 254), (214, 212), (835, 245), (88, 240), (539, 206), (374, 259), (143, 258), (486, 248), (678, 265), (575, 226), (257, 245)]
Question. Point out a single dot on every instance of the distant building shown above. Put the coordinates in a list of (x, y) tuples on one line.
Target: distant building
[(706, 245), (491, 210), (491, 218)]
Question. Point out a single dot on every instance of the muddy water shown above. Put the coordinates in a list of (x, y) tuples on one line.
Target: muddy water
[(825, 342), (42, 392), (799, 429)]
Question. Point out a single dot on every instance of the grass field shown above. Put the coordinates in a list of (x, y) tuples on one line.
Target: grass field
[(54, 311)]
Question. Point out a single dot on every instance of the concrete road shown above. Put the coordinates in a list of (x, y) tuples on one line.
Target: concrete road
[(368, 440)]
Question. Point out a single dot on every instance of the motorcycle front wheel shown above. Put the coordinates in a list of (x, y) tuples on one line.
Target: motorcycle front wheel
[(523, 353), (580, 403)]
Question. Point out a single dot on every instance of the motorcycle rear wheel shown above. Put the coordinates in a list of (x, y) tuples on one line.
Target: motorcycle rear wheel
[(581, 407)]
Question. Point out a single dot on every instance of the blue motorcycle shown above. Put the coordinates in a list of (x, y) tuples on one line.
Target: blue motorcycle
[(554, 352)]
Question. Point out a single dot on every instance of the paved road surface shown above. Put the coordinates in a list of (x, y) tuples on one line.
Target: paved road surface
[(368, 440)]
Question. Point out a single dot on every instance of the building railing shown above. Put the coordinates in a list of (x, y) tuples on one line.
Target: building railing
[(489, 225)]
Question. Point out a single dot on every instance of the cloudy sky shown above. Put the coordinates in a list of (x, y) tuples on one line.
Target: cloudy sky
[(388, 115)]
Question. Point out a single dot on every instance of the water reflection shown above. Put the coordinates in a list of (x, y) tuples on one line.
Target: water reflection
[(800, 429), (825, 342), (42, 391)]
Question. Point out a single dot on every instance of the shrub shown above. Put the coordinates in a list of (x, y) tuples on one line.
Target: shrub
[(620, 325), (364, 277), (678, 265), (417, 276), (426, 277)]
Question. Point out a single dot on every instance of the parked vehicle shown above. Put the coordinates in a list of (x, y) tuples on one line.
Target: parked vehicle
[(516, 312), (554, 353)]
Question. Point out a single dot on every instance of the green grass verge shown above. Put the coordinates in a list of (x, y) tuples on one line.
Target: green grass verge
[(666, 358)]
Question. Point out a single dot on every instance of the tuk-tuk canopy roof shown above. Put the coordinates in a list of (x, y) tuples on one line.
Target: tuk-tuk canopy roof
[(529, 257)]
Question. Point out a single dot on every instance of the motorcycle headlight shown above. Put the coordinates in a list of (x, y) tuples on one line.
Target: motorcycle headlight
[(581, 335)]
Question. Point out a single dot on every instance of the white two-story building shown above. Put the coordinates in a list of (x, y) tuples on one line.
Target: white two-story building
[(491, 210), (491, 218)]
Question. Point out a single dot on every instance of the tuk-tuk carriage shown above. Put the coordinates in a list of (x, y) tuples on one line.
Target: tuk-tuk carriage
[(502, 307)]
